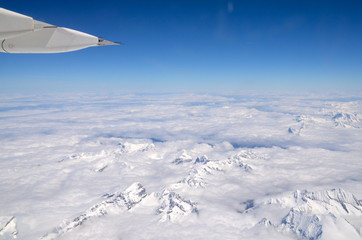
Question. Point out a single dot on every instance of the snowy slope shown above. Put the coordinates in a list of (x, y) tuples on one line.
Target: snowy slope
[(8, 227)]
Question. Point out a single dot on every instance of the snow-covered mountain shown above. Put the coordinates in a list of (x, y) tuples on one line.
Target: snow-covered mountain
[(347, 119), (204, 167), (114, 203), (327, 214), (173, 206)]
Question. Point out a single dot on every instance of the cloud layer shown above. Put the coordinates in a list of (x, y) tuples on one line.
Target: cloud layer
[(203, 160)]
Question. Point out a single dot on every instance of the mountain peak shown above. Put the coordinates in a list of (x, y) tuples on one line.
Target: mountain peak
[(173, 206)]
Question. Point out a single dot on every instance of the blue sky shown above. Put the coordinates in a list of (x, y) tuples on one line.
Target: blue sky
[(213, 45)]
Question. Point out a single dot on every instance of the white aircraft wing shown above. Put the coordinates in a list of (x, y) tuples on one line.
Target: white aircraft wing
[(23, 34)]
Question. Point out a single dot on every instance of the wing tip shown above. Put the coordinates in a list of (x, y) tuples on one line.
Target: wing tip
[(102, 42)]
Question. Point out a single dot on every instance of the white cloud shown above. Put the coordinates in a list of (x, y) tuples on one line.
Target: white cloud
[(60, 154)]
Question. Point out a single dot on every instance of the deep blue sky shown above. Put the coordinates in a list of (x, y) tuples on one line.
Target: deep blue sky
[(212, 45)]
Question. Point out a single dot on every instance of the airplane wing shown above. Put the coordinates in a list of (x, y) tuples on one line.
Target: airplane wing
[(23, 34)]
